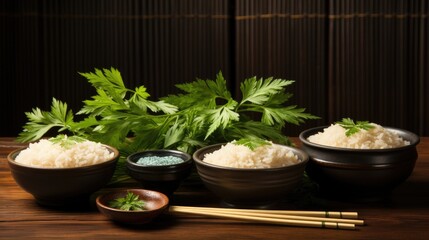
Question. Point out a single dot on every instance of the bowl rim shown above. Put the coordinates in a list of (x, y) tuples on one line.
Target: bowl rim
[(188, 159), (414, 140), (295, 150), (125, 190), (12, 155)]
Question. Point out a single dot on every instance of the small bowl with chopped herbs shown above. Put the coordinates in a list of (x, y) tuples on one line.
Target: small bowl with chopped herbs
[(132, 206), (359, 160), (161, 170)]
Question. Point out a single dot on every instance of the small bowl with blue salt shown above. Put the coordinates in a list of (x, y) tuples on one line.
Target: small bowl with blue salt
[(160, 170)]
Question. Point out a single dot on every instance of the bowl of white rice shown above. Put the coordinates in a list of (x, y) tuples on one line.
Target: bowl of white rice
[(59, 175), (366, 165), (244, 177)]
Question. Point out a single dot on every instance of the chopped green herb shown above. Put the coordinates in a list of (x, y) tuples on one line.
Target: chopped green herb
[(65, 141), (352, 127), (252, 143), (130, 202)]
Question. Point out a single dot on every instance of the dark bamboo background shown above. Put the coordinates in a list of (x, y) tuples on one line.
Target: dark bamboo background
[(364, 59)]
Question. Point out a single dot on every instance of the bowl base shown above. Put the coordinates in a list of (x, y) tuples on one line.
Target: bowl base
[(75, 202), (358, 197)]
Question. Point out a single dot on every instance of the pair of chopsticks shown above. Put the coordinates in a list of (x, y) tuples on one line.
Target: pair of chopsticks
[(317, 219)]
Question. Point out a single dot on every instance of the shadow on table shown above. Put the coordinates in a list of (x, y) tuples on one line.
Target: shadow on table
[(412, 194), (161, 222)]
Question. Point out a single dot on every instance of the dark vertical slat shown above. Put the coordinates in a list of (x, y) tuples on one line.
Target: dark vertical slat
[(9, 19), (331, 61), (423, 105), (375, 78), (376, 51), (277, 38)]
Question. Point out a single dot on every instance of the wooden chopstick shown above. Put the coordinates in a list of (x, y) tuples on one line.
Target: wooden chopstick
[(288, 222), (287, 216), (325, 214)]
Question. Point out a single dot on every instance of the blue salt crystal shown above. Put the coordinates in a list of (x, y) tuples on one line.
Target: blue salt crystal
[(159, 161)]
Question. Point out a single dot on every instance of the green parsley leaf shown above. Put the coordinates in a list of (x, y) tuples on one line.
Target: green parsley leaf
[(221, 117), (201, 92), (40, 122), (352, 127), (280, 115), (174, 134), (112, 95), (108, 80), (130, 202), (252, 143), (255, 129), (65, 141), (260, 91)]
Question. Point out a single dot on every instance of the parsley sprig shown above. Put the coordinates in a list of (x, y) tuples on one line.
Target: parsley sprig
[(65, 141), (352, 127), (130, 202), (252, 143), (40, 122), (212, 115), (203, 113)]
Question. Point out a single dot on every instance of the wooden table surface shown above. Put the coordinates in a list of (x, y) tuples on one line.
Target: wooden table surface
[(404, 216)]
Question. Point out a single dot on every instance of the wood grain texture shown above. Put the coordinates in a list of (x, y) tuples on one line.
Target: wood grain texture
[(404, 216)]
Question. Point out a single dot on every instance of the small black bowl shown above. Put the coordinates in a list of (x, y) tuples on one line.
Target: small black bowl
[(250, 187), (359, 174), (165, 179)]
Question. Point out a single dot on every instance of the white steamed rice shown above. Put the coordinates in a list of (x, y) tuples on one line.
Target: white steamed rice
[(47, 154), (374, 138), (239, 156)]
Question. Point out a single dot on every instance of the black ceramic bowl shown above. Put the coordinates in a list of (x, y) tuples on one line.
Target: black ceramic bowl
[(241, 187), (360, 174), (165, 179), (62, 186), (155, 204)]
